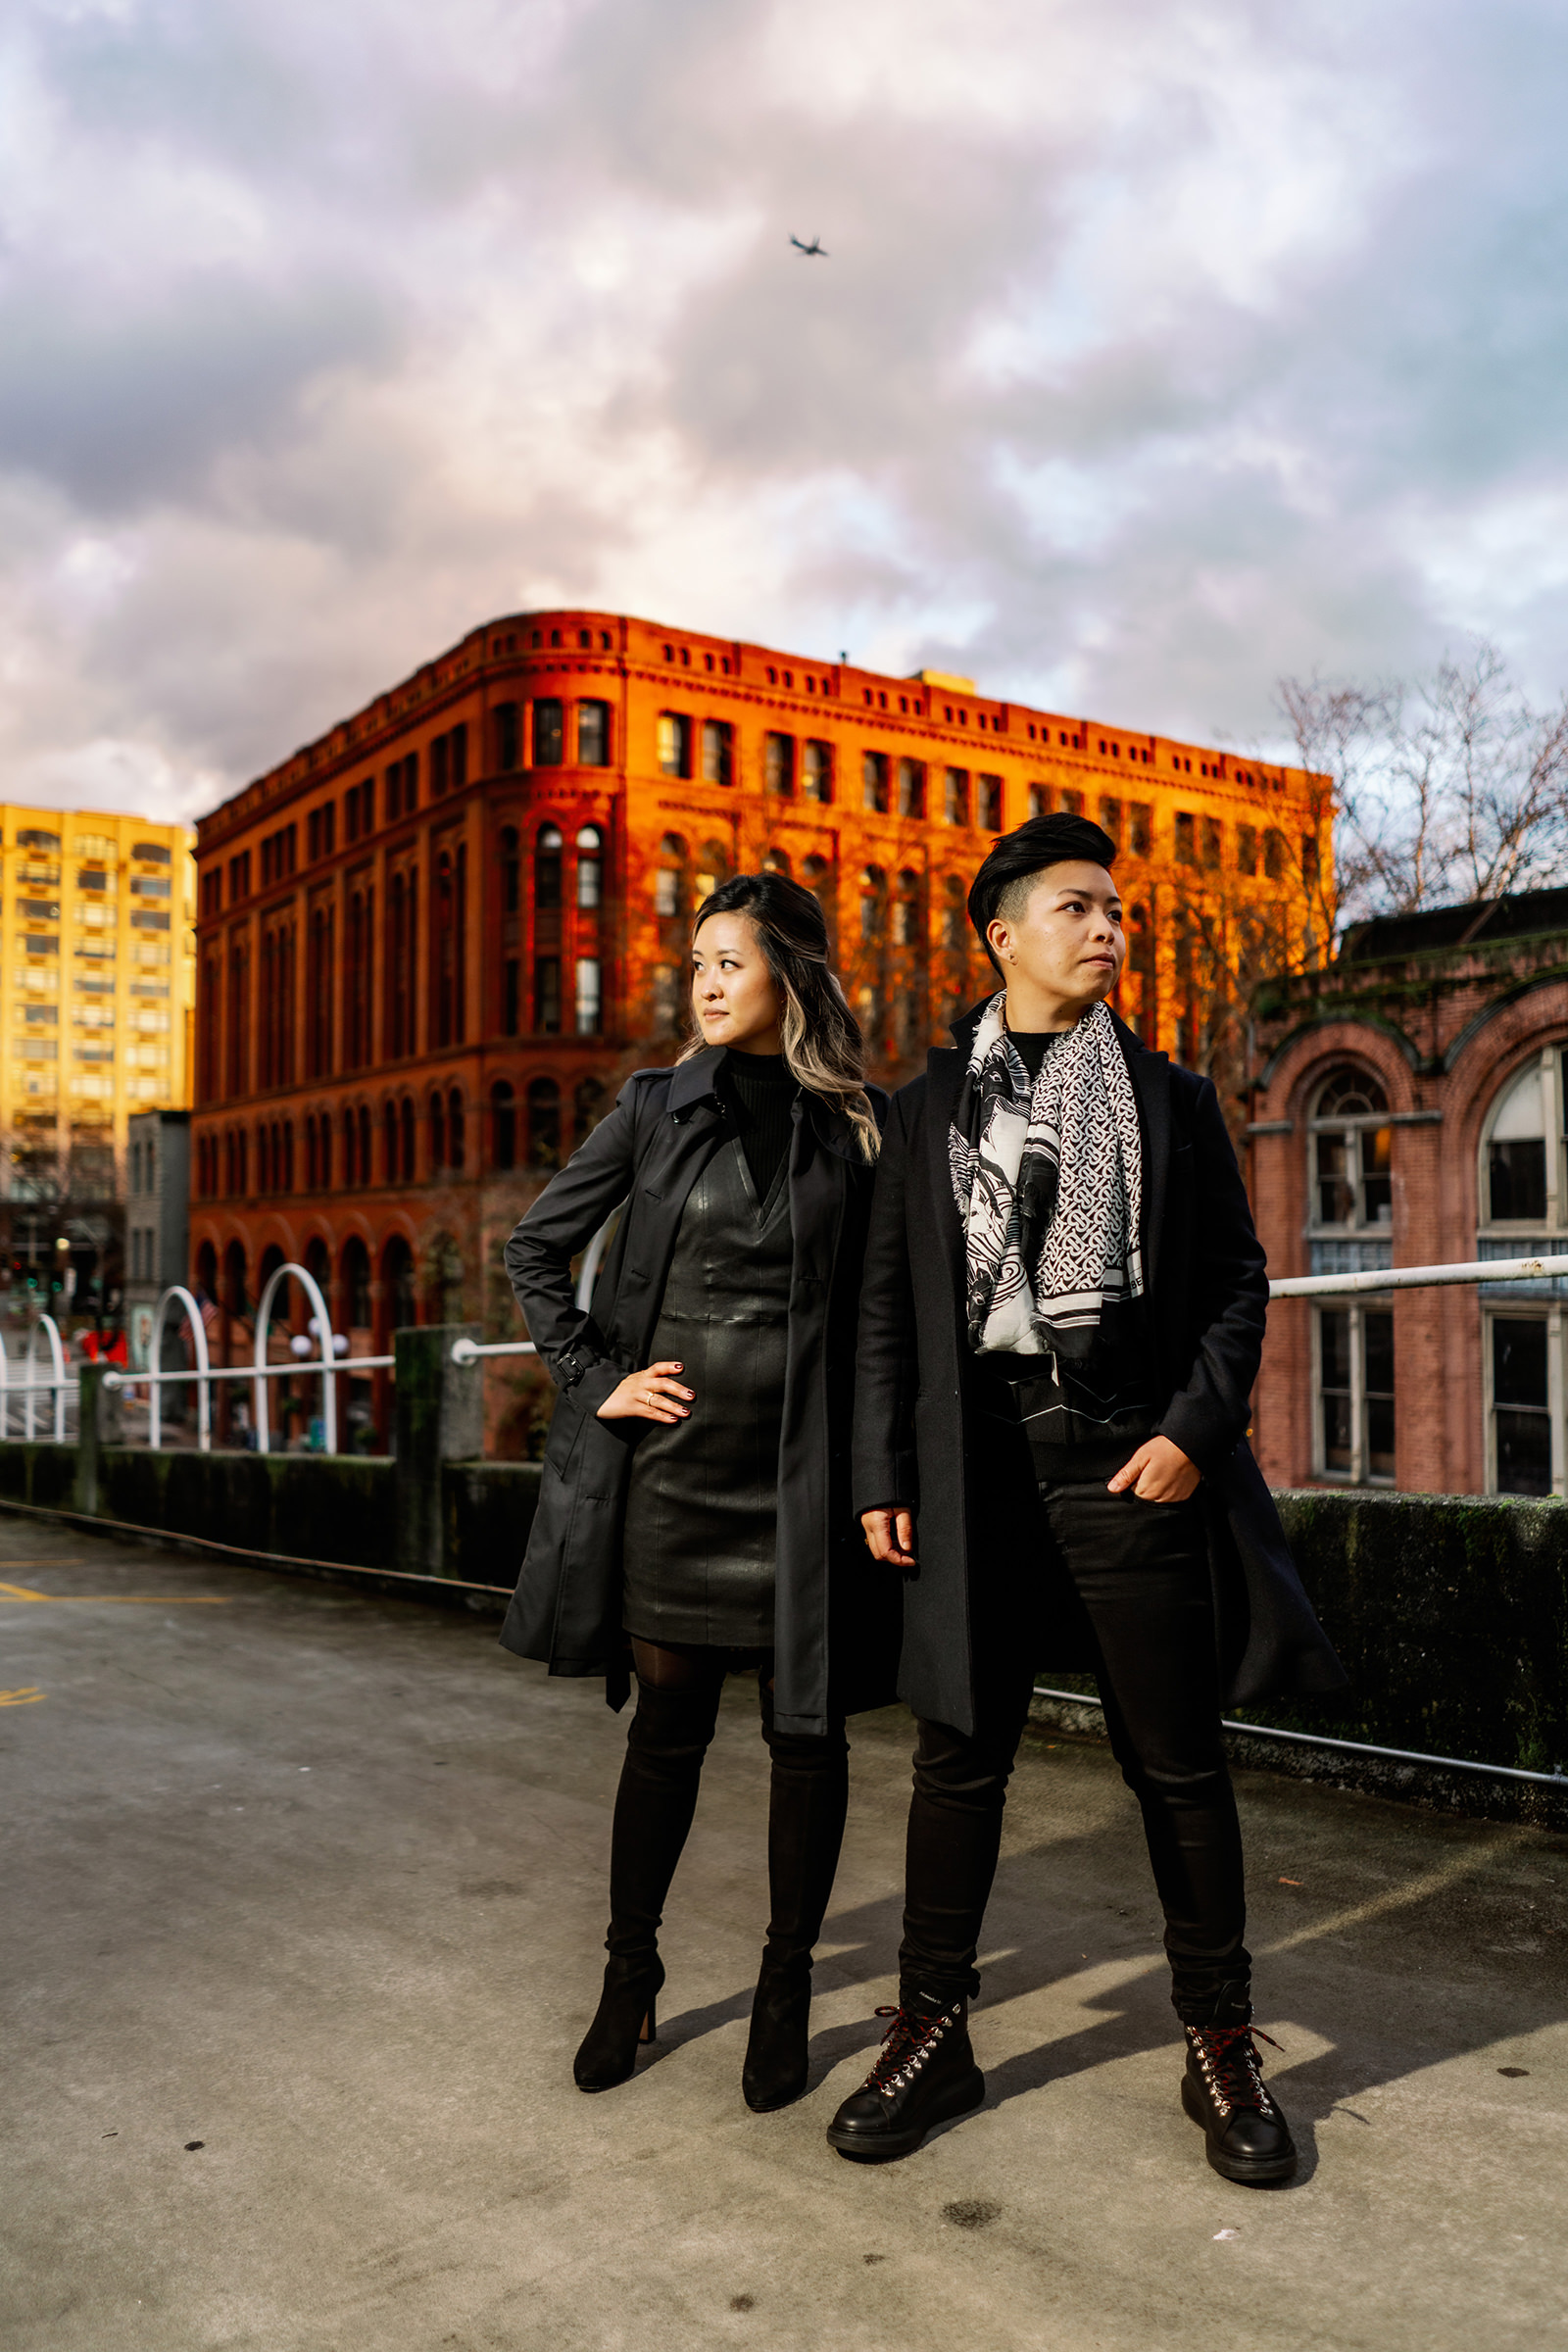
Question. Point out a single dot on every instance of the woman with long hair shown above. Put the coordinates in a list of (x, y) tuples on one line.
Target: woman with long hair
[(695, 1496)]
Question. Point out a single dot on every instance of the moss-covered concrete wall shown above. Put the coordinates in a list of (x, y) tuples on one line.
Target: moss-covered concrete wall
[(341, 1508)]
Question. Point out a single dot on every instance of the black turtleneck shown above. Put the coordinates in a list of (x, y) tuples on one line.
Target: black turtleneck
[(764, 1090)]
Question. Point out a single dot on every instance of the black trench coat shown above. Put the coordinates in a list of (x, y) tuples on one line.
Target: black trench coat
[(836, 1615), (1203, 1269)]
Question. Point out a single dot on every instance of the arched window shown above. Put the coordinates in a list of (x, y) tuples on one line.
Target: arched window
[(1520, 1171), (438, 1131), (549, 732), (776, 862), (669, 878), (354, 1280), (906, 910), (397, 1285), (1352, 1153), (457, 1136), (406, 1133), (365, 1143), (402, 922), (544, 1123), (317, 1263), (955, 915), (324, 1151), (590, 867), (1524, 1209), (1350, 1143), (587, 1110), (873, 890), (389, 1143), (309, 1152), (351, 1157), (502, 1125), (546, 864), (712, 869), (449, 925), (206, 1273), (817, 772), (235, 1301)]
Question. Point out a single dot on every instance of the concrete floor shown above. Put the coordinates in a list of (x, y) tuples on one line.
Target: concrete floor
[(316, 1882)]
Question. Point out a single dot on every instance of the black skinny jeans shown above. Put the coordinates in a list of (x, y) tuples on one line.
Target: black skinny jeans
[(1141, 1572)]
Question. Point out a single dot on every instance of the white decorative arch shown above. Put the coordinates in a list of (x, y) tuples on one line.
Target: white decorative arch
[(155, 1363), (328, 1358), (57, 1354)]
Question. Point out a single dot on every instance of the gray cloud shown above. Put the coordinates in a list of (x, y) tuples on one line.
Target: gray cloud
[(1158, 353)]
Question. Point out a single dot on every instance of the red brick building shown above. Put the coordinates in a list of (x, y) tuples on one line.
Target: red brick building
[(1410, 1110), (431, 943)]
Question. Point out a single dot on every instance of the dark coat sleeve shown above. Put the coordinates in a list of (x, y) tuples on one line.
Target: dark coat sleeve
[(565, 1218), (886, 1373), (1228, 1289)]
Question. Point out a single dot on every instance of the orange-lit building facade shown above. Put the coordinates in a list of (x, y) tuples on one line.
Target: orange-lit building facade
[(431, 943)]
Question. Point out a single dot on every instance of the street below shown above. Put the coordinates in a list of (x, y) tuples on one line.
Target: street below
[(304, 1900)]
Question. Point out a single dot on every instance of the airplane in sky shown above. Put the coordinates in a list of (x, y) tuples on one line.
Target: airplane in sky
[(816, 247)]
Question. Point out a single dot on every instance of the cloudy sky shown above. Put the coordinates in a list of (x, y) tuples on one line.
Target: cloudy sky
[(1162, 349)]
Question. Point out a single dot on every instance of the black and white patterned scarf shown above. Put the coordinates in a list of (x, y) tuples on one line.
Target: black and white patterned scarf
[(1047, 1255)]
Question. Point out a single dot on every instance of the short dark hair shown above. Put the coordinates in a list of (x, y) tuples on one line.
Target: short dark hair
[(1056, 840)]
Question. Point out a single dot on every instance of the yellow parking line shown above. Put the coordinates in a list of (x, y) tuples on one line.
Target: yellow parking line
[(151, 1600), (25, 1697)]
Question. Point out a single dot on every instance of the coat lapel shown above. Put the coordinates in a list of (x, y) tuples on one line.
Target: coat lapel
[(1151, 1076)]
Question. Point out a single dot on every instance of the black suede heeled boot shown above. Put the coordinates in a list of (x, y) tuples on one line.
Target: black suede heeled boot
[(654, 1803), (925, 2076), (807, 1799), (1248, 2138)]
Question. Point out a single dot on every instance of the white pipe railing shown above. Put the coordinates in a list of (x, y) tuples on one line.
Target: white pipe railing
[(468, 1352), (1421, 1277)]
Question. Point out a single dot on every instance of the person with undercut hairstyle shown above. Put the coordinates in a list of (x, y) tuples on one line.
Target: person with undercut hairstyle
[(1061, 1319)]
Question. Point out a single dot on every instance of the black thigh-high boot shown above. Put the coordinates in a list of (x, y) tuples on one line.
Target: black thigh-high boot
[(808, 1799), (669, 1739)]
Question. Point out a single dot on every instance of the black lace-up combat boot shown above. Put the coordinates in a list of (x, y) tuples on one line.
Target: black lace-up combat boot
[(925, 2074), (1248, 2137)]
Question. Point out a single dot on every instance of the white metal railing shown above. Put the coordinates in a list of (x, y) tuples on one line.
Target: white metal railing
[(58, 1384), (328, 1364), (1421, 1277), (468, 1352)]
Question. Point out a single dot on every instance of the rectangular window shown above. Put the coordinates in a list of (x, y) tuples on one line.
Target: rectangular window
[(509, 736), (1517, 1180), (666, 892), (1185, 838), (874, 783), (988, 803), (511, 996), (956, 796), (816, 773), (1274, 855), (667, 998), (1246, 848), (1355, 1392), (593, 734), (911, 787), (440, 777), (1521, 1403), (588, 997), (1213, 843), (719, 752), (778, 763), (549, 733), (1073, 804), (675, 735), (547, 994), (1110, 819), (1141, 828), (1038, 802)]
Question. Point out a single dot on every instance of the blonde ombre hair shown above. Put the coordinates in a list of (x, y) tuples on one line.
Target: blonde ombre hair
[(820, 1034)]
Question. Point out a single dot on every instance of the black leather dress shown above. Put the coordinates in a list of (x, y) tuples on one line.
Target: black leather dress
[(702, 1505)]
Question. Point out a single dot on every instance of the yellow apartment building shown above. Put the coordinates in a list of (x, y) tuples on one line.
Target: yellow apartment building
[(97, 990)]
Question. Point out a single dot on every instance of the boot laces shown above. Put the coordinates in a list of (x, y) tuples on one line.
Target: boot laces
[(1232, 2066), (905, 2046)]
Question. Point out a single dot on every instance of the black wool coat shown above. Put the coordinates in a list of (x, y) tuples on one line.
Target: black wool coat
[(914, 1441), (836, 1626)]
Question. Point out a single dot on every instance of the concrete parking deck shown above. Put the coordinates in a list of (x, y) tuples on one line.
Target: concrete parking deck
[(304, 1901)]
